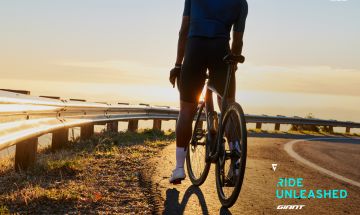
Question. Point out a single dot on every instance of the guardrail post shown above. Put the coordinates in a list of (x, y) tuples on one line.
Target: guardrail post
[(157, 124), (258, 125), (294, 127), (25, 154), (133, 125), (113, 126), (348, 130), (59, 139), (277, 127), (86, 131)]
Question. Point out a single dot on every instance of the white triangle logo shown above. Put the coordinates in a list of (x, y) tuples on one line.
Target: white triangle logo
[(274, 165)]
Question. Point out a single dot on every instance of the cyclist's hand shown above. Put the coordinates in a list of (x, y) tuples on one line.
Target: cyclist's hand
[(174, 74)]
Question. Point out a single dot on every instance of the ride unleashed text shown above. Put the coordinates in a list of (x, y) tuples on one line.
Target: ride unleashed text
[(292, 188)]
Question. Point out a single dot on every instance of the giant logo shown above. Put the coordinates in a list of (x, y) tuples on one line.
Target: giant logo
[(290, 207)]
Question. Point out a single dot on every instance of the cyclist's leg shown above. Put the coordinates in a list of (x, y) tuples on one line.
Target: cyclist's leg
[(184, 123), (183, 136), (192, 80)]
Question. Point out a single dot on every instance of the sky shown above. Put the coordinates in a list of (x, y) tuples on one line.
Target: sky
[(302, 56)]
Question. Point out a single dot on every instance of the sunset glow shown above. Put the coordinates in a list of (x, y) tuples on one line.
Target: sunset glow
[(300, 57)]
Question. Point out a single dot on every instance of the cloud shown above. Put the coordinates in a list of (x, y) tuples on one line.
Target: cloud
[(124, 66), (300, 79), (251, 77), (314, 79), (126, 72)]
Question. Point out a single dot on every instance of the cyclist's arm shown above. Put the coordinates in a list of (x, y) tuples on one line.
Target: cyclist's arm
[(184, 30), (239, 28), (237, 43)]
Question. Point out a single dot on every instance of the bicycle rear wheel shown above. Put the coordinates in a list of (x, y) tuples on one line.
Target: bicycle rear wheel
[(230, 168), (197, 167)]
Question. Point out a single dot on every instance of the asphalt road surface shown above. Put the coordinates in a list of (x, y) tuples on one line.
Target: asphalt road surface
[(338, 156)]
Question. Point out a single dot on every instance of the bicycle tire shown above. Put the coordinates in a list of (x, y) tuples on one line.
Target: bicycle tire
[(197, 179), (233, 109)]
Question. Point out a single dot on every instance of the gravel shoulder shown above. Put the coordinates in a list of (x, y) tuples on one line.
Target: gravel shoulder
[(98, 176)]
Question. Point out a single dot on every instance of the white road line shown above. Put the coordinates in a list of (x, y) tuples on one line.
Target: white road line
[(289, 149)]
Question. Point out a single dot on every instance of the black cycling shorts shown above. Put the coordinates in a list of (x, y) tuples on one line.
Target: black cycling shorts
[(204, 54)]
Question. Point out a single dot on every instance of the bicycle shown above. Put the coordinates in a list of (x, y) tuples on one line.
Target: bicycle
[(223, 141)]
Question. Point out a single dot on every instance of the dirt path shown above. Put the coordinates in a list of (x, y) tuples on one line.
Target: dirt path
[(258, 192)]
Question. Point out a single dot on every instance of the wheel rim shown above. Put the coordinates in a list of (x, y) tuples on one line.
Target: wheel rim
[(197, 150)]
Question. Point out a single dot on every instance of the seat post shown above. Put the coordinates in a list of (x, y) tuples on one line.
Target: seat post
[(227, 85), (209, 103)]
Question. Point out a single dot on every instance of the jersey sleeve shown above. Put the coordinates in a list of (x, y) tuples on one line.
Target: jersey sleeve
[(187, 8), (239, 25)]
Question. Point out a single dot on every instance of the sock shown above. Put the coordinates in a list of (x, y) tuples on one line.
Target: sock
[(180, 157)]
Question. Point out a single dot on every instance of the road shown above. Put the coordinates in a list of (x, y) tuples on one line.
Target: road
[(340, 156)]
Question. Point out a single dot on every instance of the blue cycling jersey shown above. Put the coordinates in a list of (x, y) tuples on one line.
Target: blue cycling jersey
[(214, 18)]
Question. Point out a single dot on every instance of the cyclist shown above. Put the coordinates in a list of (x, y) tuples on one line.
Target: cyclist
[(203, 43)]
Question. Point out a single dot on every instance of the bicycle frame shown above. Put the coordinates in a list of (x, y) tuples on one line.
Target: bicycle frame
[(209, 107)]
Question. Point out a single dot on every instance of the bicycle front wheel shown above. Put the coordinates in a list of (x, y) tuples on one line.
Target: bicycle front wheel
[(197, 167), (230, 168)]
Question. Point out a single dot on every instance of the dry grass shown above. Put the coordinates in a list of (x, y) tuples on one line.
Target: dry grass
[(101, 175)]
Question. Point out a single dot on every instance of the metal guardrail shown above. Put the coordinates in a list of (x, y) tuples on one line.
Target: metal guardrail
[(300, 121), (23, 118)]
